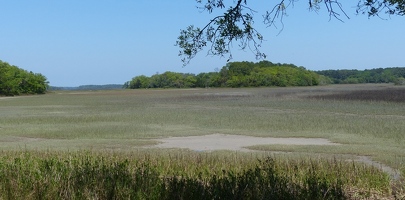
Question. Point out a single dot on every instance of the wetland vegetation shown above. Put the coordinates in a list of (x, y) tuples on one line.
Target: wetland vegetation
[(91, 144)]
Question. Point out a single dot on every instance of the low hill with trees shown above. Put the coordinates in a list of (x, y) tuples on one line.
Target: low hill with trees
[(234, 74), (16, 81), (379, 75)]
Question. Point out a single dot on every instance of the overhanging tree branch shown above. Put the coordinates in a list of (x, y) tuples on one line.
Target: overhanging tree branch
[(236, 24)]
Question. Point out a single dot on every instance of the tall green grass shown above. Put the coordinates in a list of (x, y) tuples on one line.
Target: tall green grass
[(182, 175)]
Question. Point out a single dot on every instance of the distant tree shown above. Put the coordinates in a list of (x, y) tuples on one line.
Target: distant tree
[(399, 81), (379, 75), (210, 79), (126, 85), (240, 68), (15, 81), (203, 80), (190, 80), (237, 23), (139, 82)]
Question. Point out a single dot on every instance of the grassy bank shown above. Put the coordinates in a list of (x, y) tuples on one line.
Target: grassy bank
[(185, 175)]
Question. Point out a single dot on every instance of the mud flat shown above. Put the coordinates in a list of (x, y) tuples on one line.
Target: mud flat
[(233, 142)]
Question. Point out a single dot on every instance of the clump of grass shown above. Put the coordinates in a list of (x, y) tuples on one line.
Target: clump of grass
[(90, 175)]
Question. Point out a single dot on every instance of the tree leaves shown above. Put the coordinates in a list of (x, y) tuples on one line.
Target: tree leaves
[(376, 7), (237, 24), (15, 81), (234, 25)]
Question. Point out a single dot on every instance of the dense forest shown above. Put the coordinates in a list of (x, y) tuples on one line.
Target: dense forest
[(234, 74), (388, 75), (16, 81)]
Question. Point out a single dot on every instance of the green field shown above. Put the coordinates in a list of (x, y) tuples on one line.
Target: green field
[(118, 124)]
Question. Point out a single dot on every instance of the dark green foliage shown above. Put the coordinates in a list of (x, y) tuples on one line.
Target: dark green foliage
[(376, 7), (234, 74), (379, 75), (16, 81)]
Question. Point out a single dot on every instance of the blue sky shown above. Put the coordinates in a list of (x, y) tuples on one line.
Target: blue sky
[(79, 42)]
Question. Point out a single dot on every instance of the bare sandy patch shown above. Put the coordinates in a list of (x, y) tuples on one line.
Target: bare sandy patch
[(232, 142), (6, 97)]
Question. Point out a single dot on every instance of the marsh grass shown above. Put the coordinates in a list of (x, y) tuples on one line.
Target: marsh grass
[(125, 121), (396, 94), (268, 112), (183, 175)]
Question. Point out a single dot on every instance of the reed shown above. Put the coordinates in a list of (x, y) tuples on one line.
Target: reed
[(184, 175)]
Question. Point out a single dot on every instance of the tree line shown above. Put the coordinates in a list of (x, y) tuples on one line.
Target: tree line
[(89, 87), (379, 75), (234, 74), (16, 81)]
